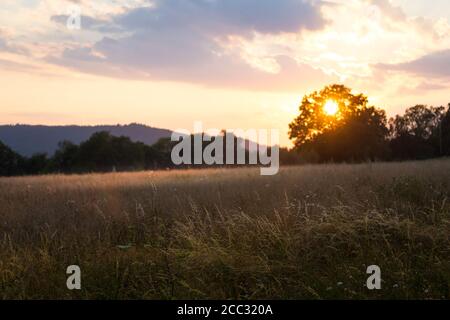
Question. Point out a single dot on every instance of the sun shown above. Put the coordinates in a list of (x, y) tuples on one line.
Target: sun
[(331, 108)]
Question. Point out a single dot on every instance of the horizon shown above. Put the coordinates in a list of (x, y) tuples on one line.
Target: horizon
[(171, 63)]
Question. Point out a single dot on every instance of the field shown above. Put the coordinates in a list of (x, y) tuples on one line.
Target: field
[(308, 233)]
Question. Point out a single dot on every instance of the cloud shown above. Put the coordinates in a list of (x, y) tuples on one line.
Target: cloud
[(3, 41), (209, 70), (192, 41), (6, 45), (225, 16), (89, 23), (434, 65), (17, 66), (389, 10), (435, 30), (3, 45)]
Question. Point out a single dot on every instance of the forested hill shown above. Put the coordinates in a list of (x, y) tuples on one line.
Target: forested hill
[(30, 139)]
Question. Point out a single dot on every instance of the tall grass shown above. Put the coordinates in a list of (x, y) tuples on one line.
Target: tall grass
[(308, 233)]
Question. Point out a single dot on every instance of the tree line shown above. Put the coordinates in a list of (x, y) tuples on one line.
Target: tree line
[(361, 132), (103, 152), (358, 132)]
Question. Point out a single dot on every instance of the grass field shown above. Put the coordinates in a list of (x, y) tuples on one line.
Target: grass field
[(308, 233)]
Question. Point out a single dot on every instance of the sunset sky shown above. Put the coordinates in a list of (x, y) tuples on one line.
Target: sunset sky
[(229, 63)]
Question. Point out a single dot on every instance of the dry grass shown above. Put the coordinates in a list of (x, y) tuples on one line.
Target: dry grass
[(309, 232)]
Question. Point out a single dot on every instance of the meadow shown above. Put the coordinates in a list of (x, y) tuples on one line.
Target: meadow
[(307, 233)]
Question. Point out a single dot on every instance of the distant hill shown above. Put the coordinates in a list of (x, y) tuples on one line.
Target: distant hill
[(30, 139)]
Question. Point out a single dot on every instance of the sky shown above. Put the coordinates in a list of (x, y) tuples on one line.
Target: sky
[(228, 63)]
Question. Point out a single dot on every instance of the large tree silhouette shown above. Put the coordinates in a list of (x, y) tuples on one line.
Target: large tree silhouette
[(355, 132)]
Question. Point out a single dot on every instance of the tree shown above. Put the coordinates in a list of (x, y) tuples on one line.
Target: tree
[(95, 153), (418, 133), (354, 131), (444, 133), (104, 152), (420, 121), (37, 164), (64, 159), (162, 151), (128, 155), (11, 163)]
